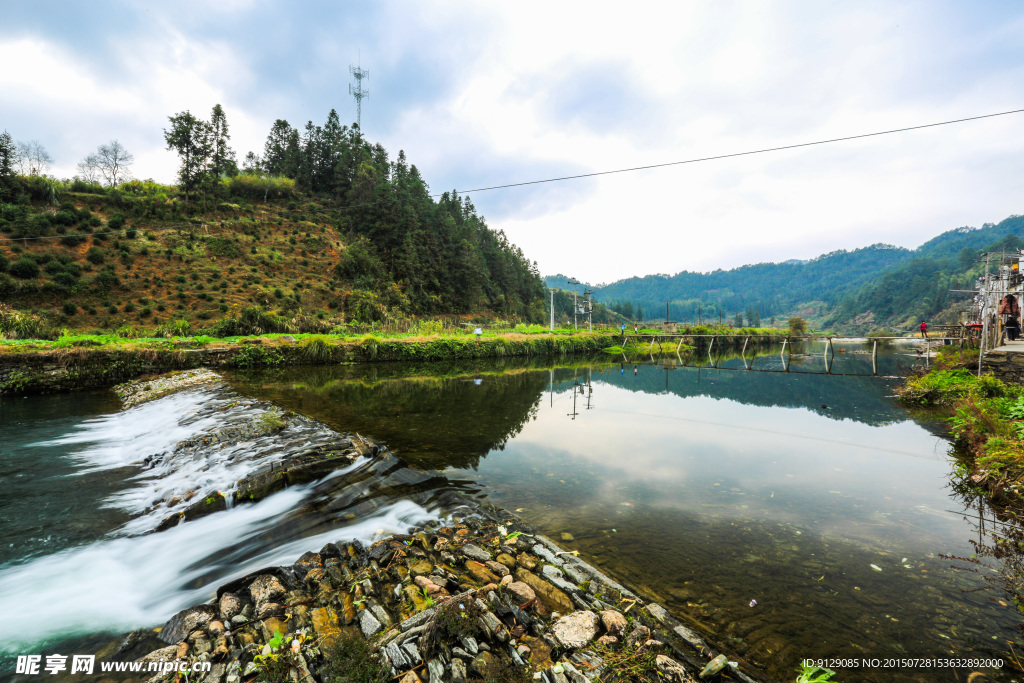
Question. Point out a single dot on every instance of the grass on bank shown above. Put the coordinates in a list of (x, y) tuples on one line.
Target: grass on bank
[(986, 417)]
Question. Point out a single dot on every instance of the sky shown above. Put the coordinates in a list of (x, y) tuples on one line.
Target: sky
[(480, 94)]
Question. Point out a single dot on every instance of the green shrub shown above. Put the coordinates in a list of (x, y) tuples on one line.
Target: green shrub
[(24, 268), (258, 357), (95, 255), (70, 308), (116, 221)]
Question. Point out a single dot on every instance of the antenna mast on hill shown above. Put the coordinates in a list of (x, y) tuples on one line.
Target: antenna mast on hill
[(358, 92)]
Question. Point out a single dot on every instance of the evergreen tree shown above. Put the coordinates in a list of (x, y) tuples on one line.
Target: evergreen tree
[(8, 162), (222, 157), (190, 137)]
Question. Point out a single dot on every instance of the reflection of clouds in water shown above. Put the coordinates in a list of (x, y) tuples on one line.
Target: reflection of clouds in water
[(784, 463)]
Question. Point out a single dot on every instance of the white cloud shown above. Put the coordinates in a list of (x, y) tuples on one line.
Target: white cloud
[(668, 82)]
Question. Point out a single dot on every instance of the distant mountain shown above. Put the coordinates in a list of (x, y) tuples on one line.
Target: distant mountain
[(849, 291)]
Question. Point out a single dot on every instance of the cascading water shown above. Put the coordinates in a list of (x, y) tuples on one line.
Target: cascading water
[(182, 448)]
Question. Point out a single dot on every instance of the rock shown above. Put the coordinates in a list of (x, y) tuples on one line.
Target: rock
[(230, 605), (482, 663), (714, 666), (607, 640), (480, 572), (420, 568), (672, 670), (458, 671), (521, 592), (506, 580), (325, 624), (553, 597), (658, 612), (461, 654), (474, 552), (470, 644), (182, 650), (396, 656), (526, 562), (184, 622), (567, 536), (413, 653), (436, 669), (215, 628), (576, 630), (494, 627), (369, 623), (497, 568), (265, 588), (164, 654), (272, 626), (271, 609), (614, 622), (410, 677), (639, 635), (507, 560)]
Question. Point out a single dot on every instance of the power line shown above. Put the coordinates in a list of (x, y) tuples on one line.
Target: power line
[(747, 153), (639, 168)]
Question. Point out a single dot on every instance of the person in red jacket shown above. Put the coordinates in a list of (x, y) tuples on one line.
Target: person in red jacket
[(924, 330)]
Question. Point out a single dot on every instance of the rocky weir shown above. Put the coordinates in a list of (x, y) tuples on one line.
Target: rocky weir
[(468, 592)]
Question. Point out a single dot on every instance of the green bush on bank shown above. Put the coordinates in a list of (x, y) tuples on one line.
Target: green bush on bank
[(947, 387)]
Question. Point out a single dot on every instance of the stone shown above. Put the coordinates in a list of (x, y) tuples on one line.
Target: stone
[(672, 670), (553, 597), (506, 580), (325, 625), (270, 609), (482, 663), (397, 656), (461, 654), (381, 615), (507, 560), (272, 626), (614, 622), (543, 553), (658, 612), (216, 628), (230, 605), (368, 623), (470, 644), (607, 640), (576, 630), (164, 654), (480, 572), (497, 568), (184, 622), (420, 568), (458, 671), (640, 634), (412, 652), (691, 637), (474, 552), (410, 677), (436, 669), (494, 627), (521, 592), (266, 588), (567, 536), (182, 651), (526, 561)]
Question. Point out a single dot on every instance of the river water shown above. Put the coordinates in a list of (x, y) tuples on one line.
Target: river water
[(784, 512)]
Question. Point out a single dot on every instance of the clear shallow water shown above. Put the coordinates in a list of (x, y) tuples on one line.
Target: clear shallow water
[(706, 488)]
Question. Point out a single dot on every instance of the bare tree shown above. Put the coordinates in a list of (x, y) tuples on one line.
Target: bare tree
[(33, 159), (111, 161), (88, 170)]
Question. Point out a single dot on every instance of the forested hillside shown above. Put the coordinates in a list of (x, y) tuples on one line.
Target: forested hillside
[(322, 226), (876, 287)]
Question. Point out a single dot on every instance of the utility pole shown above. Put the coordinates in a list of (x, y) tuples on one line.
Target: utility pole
[(358, 92), (590, 309), (573, 281), (552, 310)]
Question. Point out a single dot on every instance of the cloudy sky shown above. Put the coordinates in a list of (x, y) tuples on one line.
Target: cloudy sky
[(479, 94)]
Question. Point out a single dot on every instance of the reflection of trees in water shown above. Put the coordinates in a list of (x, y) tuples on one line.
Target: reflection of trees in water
[(434, 415), (998, 551)]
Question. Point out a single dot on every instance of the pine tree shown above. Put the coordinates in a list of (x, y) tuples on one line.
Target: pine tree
[(222, 157), (191, 139)]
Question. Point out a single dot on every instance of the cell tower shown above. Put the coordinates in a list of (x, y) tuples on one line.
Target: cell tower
[(358, 92)]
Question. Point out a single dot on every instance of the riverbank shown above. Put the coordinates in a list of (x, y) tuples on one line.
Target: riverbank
[(46, 367), (986, 416), (475, 595)]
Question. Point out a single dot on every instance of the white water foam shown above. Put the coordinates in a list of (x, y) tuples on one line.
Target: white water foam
[(122, 584), (128, 437)]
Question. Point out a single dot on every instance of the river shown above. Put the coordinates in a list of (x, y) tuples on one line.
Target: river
[(785, 514)]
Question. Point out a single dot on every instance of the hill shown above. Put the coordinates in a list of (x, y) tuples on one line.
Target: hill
[(879, 286), (321, 230)]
